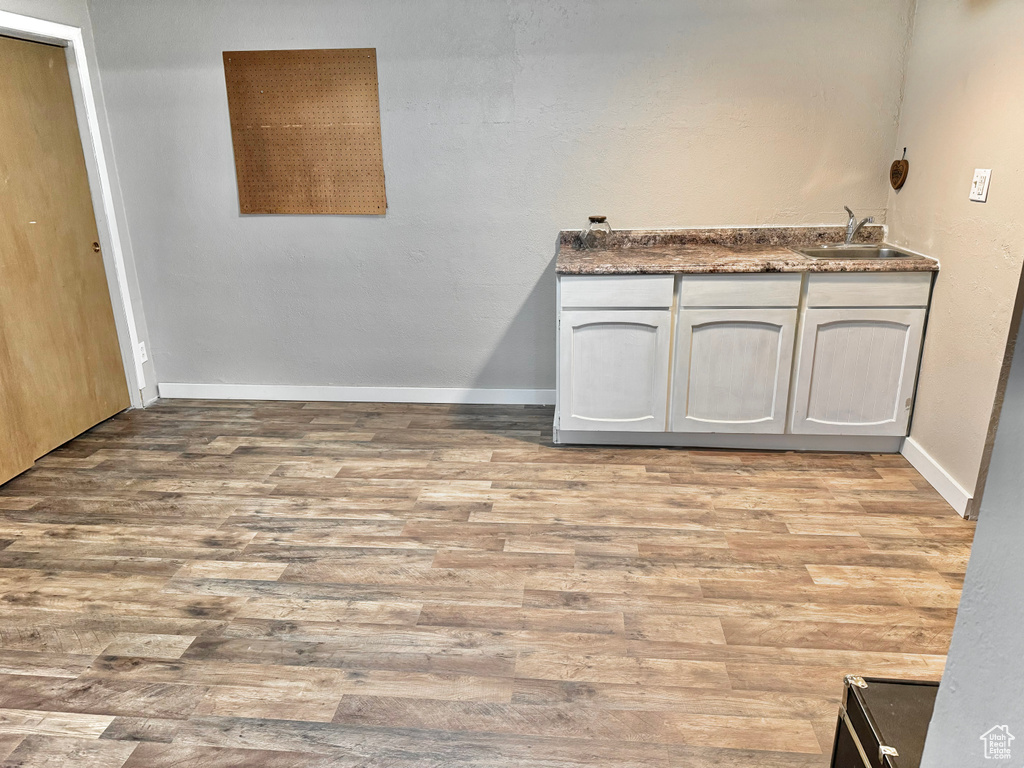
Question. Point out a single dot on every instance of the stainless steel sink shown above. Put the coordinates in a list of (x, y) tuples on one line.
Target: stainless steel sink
[(855, 252)]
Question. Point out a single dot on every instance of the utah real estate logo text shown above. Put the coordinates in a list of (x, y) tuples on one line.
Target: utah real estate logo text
[(997, 742)]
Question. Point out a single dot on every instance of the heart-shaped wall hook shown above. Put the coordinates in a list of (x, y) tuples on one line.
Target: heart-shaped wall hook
[(898, 171)]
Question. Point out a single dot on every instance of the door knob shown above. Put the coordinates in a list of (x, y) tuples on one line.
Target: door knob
[(96, 247)]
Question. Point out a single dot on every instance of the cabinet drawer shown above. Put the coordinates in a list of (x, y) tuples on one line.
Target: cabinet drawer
[(617, 291), (753, 290), (869, 289)]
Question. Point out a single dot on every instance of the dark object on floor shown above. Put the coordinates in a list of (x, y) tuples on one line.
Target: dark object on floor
[(882, 723)]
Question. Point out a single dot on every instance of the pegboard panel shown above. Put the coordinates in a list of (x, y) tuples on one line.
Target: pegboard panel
[(306, 131)]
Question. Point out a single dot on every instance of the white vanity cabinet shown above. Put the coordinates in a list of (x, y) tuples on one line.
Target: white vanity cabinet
[(613, 366), (734, 352), (858, 353), (798, 360)]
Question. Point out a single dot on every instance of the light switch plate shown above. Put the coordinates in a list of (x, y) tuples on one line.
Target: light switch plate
[(979, 187)]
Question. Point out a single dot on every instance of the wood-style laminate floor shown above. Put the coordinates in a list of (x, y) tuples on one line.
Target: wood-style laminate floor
[(324, 584)]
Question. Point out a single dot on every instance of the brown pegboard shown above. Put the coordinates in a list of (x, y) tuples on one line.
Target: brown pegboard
[(306, 131)]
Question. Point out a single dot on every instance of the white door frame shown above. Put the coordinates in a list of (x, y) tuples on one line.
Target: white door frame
[(40, 31)]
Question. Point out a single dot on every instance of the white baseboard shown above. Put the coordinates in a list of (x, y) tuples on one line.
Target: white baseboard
[(358, 394), (955, 494)]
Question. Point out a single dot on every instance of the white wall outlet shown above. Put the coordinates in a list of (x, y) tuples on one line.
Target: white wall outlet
[(143, 354), (979, 187)]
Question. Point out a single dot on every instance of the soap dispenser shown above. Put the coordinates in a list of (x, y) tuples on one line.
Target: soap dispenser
[(596, 233)]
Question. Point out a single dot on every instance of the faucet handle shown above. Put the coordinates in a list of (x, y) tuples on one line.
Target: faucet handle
[(849, 212)]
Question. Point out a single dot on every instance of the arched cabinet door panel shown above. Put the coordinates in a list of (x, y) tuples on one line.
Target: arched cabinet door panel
[(614, 370), (732, 370), (857, 371)]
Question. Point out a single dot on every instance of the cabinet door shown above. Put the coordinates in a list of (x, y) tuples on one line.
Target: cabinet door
[(857, 370), (732, 369), (613, 369)]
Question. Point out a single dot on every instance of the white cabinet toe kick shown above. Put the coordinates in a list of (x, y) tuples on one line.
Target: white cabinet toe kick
[(793, 361)]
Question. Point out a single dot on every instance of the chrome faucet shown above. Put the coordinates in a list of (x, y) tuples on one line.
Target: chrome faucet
[(852, 227)]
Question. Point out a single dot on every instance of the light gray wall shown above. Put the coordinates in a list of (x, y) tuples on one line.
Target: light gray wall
[(503, 121), (75, 13), (963, 109), (982, 684), (72, 12)]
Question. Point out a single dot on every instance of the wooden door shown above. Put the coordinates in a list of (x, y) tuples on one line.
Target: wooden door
[(62, 369), (857, 370), (732, 369), (614, 370)]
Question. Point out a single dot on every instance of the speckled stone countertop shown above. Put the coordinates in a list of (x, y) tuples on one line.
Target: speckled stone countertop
[(711, 251)]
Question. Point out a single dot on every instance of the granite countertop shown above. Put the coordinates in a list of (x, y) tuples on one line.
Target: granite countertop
[(711, 251)]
